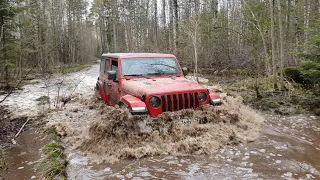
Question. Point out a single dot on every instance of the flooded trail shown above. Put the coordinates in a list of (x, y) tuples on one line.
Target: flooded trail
[(288, 148), (23, 159)]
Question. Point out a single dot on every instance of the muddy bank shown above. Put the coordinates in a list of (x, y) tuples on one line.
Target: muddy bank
[(19, 154), (10, 126), (114, 134)]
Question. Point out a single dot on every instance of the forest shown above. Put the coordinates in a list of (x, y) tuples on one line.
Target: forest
[(277, 39)]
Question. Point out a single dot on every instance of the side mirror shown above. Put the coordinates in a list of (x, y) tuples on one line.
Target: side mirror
[(112, 75), (185, 71)]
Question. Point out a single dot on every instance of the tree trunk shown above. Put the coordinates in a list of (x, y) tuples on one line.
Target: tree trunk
[(214, 7), (306, 23), (164, 22), (318, 8), (281, 44), (155, 27), (273, 51), (115, 46), (175, 25), (172, 33)]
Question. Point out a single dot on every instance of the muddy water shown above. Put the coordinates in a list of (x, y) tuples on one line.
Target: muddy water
[(287, 149), (25, 102), (23, 159)]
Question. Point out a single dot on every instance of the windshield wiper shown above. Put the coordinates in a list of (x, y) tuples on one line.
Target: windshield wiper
[(160, 74), (155, 74), (138, 75)]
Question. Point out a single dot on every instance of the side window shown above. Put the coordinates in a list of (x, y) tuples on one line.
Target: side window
[(107, 66), (114, 67), (102, 64)]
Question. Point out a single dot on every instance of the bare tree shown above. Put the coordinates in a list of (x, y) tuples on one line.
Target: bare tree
[(281, 43), (273, 46)]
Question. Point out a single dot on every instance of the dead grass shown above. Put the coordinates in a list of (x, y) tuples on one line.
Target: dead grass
[(3, 165), (68, 70), (54, 163)]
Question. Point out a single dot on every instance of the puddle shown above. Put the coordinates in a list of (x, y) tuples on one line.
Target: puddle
[(22, 160), (275, 155)]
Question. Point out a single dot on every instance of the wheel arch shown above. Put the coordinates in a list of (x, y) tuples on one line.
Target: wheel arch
[(134, 104)]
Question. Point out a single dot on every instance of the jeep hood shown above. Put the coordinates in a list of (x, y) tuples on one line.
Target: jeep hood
[(158, 86)]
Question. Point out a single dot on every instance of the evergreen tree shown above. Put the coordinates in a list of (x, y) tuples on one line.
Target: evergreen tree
[(8, 50)]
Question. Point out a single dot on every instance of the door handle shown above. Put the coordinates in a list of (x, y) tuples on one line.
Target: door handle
[(109, 84)]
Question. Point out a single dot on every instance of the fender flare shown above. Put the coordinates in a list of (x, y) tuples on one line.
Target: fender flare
[(215, 99), (134, 104)]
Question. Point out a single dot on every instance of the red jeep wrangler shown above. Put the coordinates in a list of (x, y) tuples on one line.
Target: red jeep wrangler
[(149, 83)]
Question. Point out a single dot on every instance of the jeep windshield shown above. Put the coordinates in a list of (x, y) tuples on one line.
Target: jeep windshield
[(145, 67)]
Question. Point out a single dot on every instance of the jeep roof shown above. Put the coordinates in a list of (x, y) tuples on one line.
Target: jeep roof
[(131, 55)]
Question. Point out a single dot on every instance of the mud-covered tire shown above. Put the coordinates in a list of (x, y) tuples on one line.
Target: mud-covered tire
[(97, 92)]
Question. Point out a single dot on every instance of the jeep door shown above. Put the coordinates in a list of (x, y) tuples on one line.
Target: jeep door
[(104, 68), (113, 87)]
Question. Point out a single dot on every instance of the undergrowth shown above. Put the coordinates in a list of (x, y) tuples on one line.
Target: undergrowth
[(294, 99)]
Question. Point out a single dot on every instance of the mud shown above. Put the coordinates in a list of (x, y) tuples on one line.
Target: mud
[(115, 134), (288, 148), (9, 127), (23, 159)]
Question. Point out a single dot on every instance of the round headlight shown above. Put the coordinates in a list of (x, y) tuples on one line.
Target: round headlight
[(203, 97), (155, 102)]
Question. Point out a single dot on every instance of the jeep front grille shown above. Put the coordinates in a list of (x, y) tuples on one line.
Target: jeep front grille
[(175, 102)]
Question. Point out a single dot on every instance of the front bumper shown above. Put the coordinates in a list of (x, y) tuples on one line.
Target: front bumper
[(215, 102), (139, 111)]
